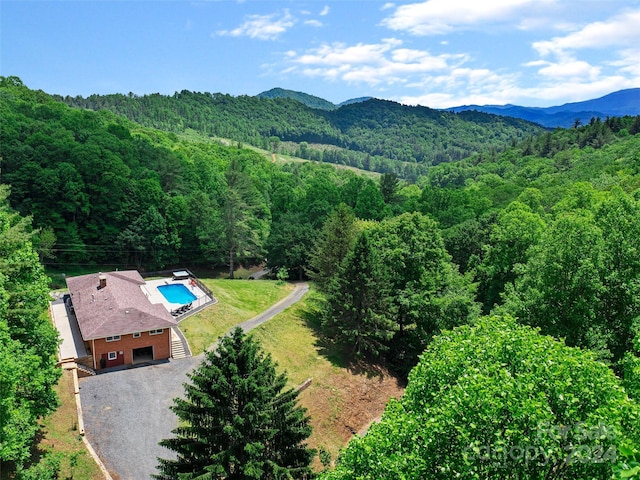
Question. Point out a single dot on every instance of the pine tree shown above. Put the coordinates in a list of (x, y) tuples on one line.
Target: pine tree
[(356, 312), (336, 238), (237, 420)]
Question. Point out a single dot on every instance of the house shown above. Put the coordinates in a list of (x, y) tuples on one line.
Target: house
[(118, 322)]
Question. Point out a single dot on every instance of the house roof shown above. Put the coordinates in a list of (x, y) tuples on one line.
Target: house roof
[(121, 307)]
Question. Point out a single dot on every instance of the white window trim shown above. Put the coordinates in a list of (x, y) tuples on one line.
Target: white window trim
[(137, 335), (115, 356), (113, 338), (157, 331)]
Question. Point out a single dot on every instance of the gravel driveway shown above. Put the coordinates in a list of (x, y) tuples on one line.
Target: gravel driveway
[(126, 414)]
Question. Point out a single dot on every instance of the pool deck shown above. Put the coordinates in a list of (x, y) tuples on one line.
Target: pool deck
[(150, 289)]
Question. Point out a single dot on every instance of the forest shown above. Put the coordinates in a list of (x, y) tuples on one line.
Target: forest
[(502, 281), (375, 135)]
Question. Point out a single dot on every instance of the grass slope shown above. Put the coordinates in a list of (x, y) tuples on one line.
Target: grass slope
[(238, 300), (60, 435), (343, 399)]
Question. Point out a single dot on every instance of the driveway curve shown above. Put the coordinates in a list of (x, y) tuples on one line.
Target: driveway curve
[(126, 412), (298, 292)]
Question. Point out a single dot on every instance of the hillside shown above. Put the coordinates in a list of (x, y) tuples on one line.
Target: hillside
[(304, 98), (116, 192), (374, 135), (309, 100), (616, 104)]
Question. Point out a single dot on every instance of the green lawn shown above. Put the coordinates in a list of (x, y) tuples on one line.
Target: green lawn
[(295, 346), (342, 398), (60, 435), (238, 300)]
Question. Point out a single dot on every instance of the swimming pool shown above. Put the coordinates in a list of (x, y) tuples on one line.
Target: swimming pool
[(176, 293)]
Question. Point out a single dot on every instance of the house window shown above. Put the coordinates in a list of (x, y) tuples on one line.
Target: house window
[(136, 335), (156, 332), (112, 355), (113, 338)]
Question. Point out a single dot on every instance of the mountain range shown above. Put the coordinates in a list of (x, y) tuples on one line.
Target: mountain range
[(616, 104)]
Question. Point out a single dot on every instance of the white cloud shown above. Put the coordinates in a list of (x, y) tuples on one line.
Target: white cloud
[(463, 86), (325, 11), (434, 17), (563, 68), (471, 87), (262, 27), (564, 73), (313, 23), (561, 92), (621, 30), (628, 62), (567, 68), (341, 54), (375, 64)]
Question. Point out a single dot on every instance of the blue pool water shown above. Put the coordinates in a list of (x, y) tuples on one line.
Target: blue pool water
[(176, 293)]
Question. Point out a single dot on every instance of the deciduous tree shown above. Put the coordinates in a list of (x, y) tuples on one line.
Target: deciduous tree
[(28, 340), (516, 230), (498, 400), (425, 292)]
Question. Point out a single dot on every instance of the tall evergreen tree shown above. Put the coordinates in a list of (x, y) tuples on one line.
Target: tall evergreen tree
[(356, 312), (237, 419), (244, 216), (336, 238), (389, 186)]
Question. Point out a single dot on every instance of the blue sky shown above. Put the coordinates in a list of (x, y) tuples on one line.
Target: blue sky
[(438, 53)]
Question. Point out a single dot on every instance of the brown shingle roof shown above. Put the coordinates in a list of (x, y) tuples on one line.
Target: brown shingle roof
[(120, 308)]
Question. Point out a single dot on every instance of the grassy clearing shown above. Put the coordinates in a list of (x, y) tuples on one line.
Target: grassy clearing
[(342, 399), (60, 434), (296, 346), (238, 300)]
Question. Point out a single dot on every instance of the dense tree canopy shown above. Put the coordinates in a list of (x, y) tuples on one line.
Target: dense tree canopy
[(375, 135), (498, 400), (543, 227), (582, 280), (516, 229), (394, 289), (28, 340)]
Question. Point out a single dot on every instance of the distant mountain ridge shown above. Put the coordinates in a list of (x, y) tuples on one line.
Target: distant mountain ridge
[(309, 100), (376, 135), (616, 104)]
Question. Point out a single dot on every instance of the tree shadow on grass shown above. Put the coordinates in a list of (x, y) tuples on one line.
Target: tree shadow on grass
[(312, 316), (37, 452), (338, 354)]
